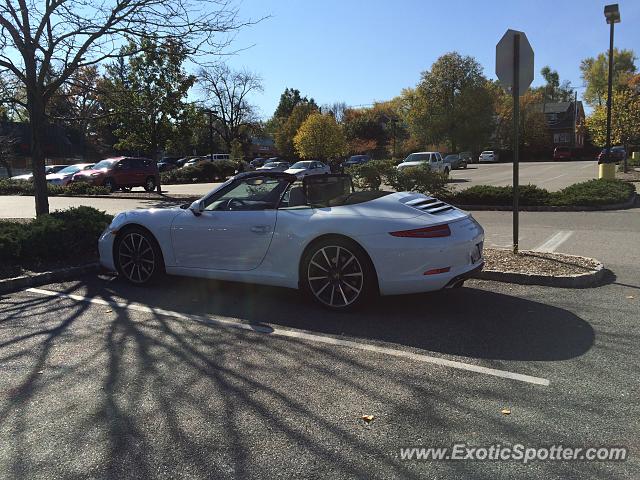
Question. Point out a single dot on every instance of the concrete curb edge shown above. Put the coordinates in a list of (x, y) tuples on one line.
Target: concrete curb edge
[(42, 278)]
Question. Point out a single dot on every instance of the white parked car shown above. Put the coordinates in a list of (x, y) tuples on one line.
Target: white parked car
[(432, 159), (318, 235), (63, 177), (488, 156), (274, 167), (308, 167), (48, 169)]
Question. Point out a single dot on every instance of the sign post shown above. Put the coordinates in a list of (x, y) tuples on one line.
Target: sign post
[(514, 68)]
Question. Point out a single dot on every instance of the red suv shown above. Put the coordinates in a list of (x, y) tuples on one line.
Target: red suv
[(122, 172)]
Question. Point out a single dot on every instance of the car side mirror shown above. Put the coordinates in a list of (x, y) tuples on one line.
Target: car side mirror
[(197, 207)]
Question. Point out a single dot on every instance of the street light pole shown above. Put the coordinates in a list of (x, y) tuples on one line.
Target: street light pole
[(612, 14)]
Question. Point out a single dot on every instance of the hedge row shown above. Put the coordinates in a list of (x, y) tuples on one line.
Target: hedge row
[(201, 172), (24, 187), (71, 233), (589, 193)]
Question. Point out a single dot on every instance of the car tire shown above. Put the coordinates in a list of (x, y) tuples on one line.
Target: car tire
[(464, 165), (446, 172), (110, 184), (337, 274), (137, 256), (150, 184)]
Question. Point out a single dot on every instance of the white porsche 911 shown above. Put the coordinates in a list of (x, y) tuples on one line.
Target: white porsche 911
[(337, 245)]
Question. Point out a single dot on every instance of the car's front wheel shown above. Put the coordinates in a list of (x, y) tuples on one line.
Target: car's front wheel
[(337, 274), (137, 256)]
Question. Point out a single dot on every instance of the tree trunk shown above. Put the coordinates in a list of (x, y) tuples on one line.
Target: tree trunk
[(37, 123)]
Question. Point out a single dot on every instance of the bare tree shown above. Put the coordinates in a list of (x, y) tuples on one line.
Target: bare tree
[(44, 42), (226, 92)]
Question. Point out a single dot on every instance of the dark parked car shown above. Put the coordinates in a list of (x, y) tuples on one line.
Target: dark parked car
[(617, 154), (256, 163), (168, 163), (456, 160), (122, 172), (355, 160)]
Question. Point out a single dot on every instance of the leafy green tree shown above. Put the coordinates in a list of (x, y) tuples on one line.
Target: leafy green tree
[(320, 137), (147, 94), (451, 104), (290, 99), (625, 117), (554, 91), (534, 133), (287, 128), (595, 73)]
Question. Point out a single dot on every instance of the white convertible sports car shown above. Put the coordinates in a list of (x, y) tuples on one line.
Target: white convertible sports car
[(337, 245)]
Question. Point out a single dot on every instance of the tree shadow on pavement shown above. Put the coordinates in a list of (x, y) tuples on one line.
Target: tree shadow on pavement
[(467, 322), (110, 392)]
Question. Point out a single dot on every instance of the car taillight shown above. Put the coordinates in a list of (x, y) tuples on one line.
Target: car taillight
[(435, 271), (426, 232)]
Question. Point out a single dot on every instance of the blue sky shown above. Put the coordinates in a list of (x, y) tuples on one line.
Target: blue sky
[(360, 51)]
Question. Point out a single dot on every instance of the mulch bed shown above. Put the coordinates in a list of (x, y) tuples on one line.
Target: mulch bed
[(537, 263)]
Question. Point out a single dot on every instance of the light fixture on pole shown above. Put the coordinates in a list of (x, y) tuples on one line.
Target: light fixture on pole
[(612, 14)]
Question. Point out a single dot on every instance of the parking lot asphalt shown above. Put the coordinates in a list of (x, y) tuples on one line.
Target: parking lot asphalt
[(550, 175), (223, 380)]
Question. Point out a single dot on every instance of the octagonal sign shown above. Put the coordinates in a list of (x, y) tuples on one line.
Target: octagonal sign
[(504, 60)]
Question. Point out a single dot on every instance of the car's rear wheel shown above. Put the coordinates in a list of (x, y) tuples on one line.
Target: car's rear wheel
[(150, 184), (110, 184), (138, 257), (337, 274)]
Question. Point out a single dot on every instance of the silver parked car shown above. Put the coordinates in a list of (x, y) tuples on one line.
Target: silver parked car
[(489, 156)]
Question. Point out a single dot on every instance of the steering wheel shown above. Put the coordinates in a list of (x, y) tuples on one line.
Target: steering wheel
[(234, 204)]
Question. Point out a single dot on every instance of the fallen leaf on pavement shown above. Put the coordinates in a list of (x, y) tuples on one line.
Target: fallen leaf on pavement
[(40, 372), (506, 411), (630, 297), (368, 418), (108, 311)]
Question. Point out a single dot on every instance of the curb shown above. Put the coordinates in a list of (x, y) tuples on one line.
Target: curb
[(36, 279), (581, 280), (548, 208)]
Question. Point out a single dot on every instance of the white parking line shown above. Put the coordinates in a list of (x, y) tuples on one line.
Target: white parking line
[(554, 241), (299, 334), (552, 178)]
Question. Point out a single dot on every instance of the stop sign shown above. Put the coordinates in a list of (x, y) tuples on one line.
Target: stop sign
[(505, 59)]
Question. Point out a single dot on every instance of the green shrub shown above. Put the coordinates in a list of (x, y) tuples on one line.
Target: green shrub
[(530, 195), (24, 187), (201, 172), (71, 233), (590, 193), (417, 179), (370, 175), (595, 192)]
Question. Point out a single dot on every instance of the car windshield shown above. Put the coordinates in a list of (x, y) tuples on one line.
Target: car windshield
[(451, 157), (488, 152), (301, 165), (357, 158), (271, 165), (103, 164), (417, 157)]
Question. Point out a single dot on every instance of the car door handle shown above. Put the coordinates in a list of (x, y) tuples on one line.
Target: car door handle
[(260, 229)]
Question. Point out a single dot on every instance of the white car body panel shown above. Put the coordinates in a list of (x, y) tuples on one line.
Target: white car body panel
[(266, 246)]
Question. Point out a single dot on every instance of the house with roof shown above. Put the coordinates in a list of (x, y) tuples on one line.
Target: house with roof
[(566, 123)]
